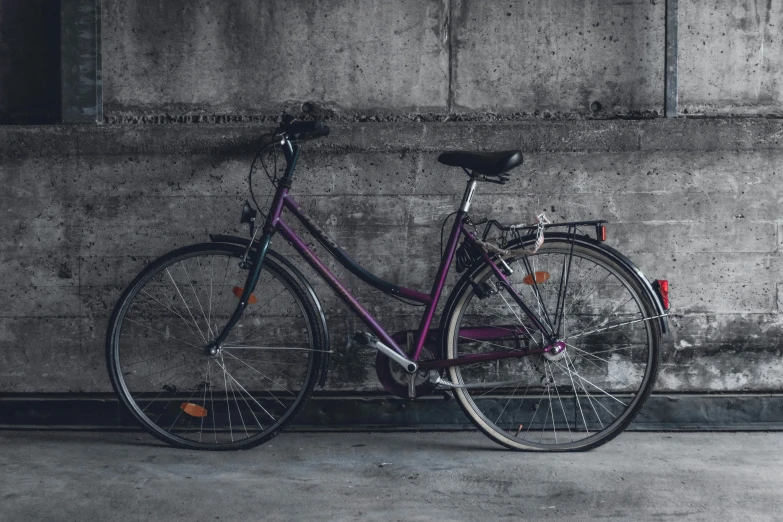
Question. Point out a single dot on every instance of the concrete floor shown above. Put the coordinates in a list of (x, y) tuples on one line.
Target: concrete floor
[(390, 476)]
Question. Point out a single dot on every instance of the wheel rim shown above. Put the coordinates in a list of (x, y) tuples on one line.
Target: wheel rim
[(572, 399), (242, 393)]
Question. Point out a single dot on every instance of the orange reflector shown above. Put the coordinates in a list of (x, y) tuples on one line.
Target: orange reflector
[(602, 233), (194, 410), (541, 277), (238, 292)]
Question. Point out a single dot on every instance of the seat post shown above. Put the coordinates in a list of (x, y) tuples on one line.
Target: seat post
[(468, 196)]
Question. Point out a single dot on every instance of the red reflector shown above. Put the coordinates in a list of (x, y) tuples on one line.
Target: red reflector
[(238, 290), (663, 290), (541, 277), (194, 410), (601, 233)]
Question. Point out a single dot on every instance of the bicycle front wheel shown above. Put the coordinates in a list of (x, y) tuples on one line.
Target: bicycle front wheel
[(256, 383), (580, 397)]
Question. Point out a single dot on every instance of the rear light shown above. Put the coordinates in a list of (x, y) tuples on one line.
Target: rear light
[(662, 286), (600, 232)]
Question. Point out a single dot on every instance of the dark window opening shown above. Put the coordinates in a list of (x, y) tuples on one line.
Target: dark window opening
[(29, 62)]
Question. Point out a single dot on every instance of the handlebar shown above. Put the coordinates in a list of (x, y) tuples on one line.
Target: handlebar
[(304, 130)]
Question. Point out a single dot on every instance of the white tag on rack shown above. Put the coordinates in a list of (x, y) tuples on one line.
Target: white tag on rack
[(541, 220)]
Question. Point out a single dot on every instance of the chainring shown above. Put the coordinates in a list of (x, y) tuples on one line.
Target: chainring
[(395, 379)]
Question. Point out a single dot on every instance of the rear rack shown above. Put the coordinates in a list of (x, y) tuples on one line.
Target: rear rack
[(517, 231)]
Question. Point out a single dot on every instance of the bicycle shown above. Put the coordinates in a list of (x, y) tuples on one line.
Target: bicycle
[(549, 340)]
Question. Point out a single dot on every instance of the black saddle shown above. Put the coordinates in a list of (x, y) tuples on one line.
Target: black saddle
[(486, 163)]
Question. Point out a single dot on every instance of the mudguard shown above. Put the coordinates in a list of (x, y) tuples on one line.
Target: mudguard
[(243, 241), (609, 251)]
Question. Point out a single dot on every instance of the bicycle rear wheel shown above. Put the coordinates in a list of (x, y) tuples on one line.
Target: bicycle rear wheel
[(240, 397), (579, 398)]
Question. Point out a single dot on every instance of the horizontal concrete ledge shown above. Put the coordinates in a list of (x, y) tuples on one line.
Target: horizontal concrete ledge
[(662, 412), (530, 136)]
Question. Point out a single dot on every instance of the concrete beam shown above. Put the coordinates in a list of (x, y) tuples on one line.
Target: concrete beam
[(247, 58)]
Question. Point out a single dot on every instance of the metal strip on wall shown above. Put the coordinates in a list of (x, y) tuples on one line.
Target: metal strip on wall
[(670, 67), (80, 51)]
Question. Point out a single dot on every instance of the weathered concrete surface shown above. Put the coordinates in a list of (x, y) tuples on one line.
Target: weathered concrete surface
[(558, 56), (180, 60), (363, 476), (234, 57), (165, 59), (731, 57), (694, 201)]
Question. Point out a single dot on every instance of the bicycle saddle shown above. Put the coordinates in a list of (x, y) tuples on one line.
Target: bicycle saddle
[(486, 163)]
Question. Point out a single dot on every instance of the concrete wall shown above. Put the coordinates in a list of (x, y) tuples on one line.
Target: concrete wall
[(731, 57), (352, 56), (174, 60), (250, 57), (693, 200)]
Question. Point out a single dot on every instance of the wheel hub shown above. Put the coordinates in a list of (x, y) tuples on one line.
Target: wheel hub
[(557, 351)]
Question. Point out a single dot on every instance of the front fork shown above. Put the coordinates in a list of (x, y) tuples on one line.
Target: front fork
[(257, 260), (291, 153)]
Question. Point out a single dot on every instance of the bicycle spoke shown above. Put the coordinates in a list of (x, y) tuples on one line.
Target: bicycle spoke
[(186, 306), (598, 330), (228, 406), (171, 310), (264, 376), (519, 320), (562, 408), (246, 392)]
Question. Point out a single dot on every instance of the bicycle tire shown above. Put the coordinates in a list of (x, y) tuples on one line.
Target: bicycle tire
[(477, 406), (250, 403)]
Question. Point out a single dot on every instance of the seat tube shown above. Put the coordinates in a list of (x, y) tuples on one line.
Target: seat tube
[(443, 270)]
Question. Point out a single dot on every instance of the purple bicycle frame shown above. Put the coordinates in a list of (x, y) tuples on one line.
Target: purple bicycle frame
[(275, 221)]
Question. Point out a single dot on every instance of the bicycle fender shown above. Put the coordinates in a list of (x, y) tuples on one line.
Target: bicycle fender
[(619, 258), (611, 252), (243, 241)]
